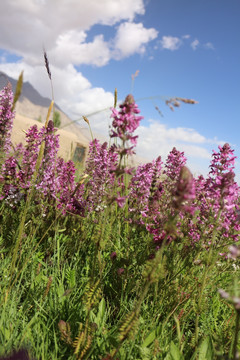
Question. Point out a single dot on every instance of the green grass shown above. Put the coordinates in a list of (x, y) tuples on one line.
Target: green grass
[(147, 312)]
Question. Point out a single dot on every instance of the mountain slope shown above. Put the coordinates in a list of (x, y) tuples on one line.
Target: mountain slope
[(34, 106), (28, 91)]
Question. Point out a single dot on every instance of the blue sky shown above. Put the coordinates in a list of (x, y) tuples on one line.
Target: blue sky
[(187, 48)]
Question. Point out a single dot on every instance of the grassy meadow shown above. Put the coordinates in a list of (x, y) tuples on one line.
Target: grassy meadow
[(117, 262)]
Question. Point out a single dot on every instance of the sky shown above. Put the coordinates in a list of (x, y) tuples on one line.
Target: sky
[(188, 49)]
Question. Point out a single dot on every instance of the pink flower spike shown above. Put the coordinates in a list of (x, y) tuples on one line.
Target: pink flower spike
[(121, 201), (120, 271), (234, 252), (224, 294)]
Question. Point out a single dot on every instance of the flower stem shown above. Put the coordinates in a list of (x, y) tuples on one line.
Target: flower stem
[(235, 357)]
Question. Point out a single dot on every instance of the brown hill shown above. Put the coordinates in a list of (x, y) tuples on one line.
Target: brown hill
[(32, 106)]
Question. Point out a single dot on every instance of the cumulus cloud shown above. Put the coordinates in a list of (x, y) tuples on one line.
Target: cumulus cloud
[(131, 38), (159, 139), (71, 47), (62, 26), (171, 43), (72, 91), (195, 44), (33, 23), (165, 138)]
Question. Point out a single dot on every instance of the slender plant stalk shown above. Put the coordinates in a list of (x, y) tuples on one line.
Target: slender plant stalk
[(87, 121), (207, 269), (235, 342), (18, 90)]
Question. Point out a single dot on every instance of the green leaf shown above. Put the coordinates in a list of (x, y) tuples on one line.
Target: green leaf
[(206, 349), (102, 308), (149, 339), (113, 341), (7, 334), (145, 353), (175, 352), (101, 312)]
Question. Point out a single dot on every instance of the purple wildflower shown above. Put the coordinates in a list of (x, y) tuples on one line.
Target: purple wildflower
[(6, 118), (47, 172), (144, 186), (69, 194), (234, 252), (99, 167), (185, 191), (30, 154), (8, 177), (222, 160), (219, 193), (120, 271), (120, 200), (175, 161), (113, 255), (125, 122), (19, 355), (232, 299)]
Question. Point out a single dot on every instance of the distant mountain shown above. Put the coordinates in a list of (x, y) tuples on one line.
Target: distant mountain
[(28, 91), (34, 106)]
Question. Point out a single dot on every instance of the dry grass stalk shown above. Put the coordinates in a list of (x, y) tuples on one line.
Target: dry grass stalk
[(175, 102), (187, 101), (115, 98), (47, 64), (86, 119), (18, 90), (48, 286)]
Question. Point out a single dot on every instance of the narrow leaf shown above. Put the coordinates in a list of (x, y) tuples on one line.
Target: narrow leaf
[(175, 352), (149, 339), (206, 350)]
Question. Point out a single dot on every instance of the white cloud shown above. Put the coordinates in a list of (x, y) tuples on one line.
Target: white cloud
[(209, 45), (62, 28), (186, 36), (3, 58), (171, 43), (158, 139), (72, 91), (165, 138), (131, 38), (71, 48), (28, 24), (195, 44)]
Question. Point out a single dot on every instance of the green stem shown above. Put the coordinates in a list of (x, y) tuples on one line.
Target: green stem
[(200, 304), (236, 335), (204, 279)]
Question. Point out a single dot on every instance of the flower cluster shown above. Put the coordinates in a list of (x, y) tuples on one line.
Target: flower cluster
[(164, 199), (100, 168), (143, 187), (185, 191), (125, 122), (175, 161), (6, 118), (47, 184)]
